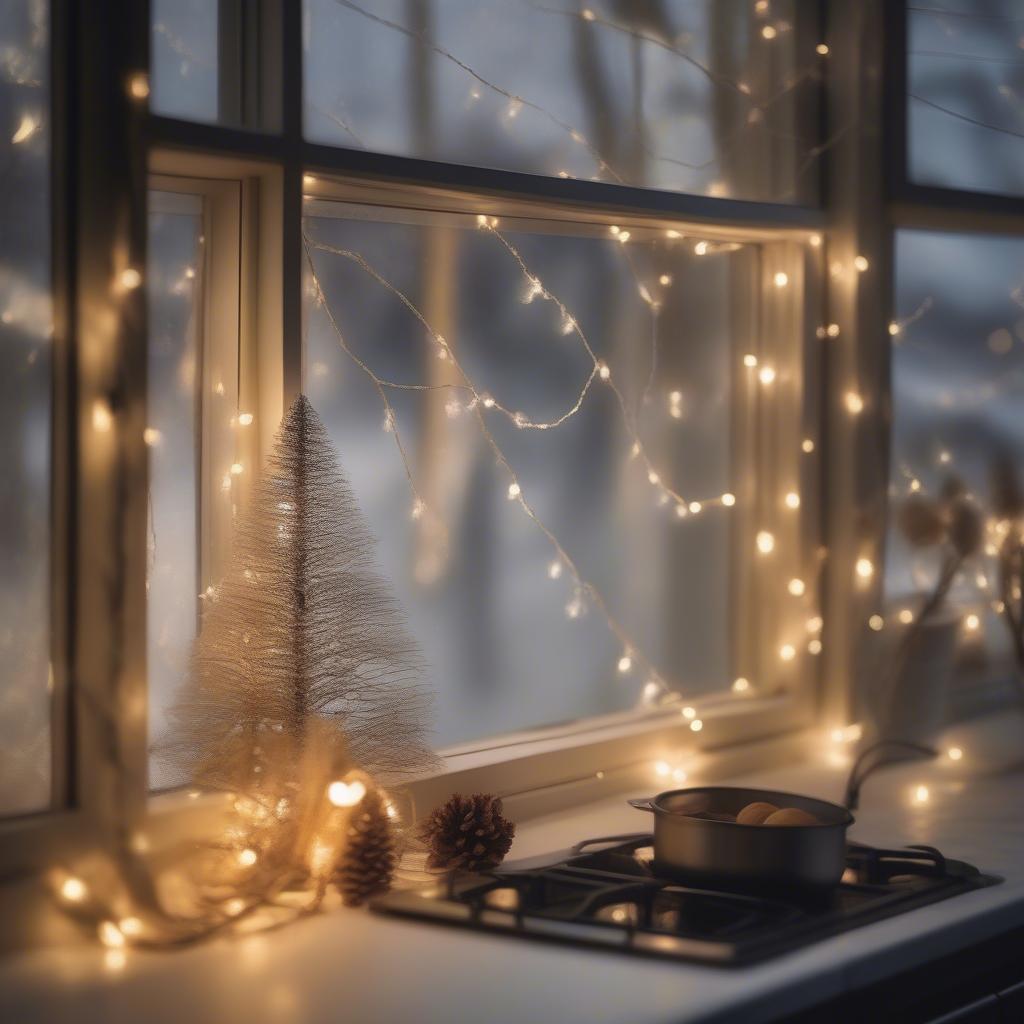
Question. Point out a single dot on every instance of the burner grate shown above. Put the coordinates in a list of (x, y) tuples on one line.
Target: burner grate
[(608, 892)]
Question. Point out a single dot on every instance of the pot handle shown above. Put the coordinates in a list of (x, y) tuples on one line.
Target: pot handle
[(642, 803)]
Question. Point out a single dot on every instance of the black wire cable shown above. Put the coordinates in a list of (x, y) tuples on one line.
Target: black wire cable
[(857, 778)]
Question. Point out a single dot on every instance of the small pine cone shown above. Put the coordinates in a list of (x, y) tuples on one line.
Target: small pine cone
[(468, 833), (368, 862)]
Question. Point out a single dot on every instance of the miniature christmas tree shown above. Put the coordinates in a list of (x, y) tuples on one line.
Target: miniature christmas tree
[(302, 637)]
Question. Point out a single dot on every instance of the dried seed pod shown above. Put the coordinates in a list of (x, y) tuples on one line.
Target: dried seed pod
[(920, 521)]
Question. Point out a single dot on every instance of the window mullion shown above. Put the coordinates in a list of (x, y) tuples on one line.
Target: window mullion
[(109, 331)]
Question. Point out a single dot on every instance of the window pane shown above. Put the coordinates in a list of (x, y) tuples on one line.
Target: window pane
[(701, 96), (25, 381), (966, 75), (958, 384), (174, 279), (511, 640), (184, 58)]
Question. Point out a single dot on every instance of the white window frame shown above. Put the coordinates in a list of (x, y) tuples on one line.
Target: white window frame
[(104, 151)]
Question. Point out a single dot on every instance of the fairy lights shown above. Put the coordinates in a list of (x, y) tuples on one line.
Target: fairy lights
[(346, 794), (765, 542), (796, 587), (740, 685), (73, 889), (864, 568), (954, 753), (138, 85), (27, 127)]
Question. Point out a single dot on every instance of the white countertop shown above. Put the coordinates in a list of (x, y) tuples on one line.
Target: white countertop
[(354, 966)]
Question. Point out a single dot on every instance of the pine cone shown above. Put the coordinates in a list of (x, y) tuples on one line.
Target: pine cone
[(469, 833), (368, 863)]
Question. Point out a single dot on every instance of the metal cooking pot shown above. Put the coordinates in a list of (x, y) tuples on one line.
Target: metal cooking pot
[(687, 841)]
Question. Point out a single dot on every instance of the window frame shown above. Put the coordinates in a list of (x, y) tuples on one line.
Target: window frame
[(112, 143)]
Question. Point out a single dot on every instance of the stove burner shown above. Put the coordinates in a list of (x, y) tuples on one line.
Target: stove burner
[(609, 892)]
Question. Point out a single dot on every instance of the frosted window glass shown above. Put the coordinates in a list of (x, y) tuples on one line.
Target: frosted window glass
[(503, 653), (175, 368), (25, 407), (958, 389), (698, 96), (184, 59), (966, 103)]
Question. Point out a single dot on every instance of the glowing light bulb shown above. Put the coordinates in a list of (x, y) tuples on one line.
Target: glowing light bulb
[(807, 446), (787, 652), (555, 570), (689, 713), (766, 375), (792, 500), (821, 49), (236, 469), (73, 890), (769, 32), (860, 264), (854, 403), (750, 361), (247, 857), (245, 419), (27, 127), (138, 85), (130, 926), (954, 753), (662, 768), (921, 795), (652, 691), (130, 278), (894, 328), (972, 622), (151, 436), (603, 371), (814, 647), (740, 685), (781, 279), (832, 330), (695, 507), (514, 490), (696, 725), (346, 794), (906, 616), (765, 542), (815, 240), (864, 568), (110, 935), (876, 622), (625, 664), (797, 587), (672, 233), (665, 279), (814, 624), (102, 417), (700, 249), (653, 478)]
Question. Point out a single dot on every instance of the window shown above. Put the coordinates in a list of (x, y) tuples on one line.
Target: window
[(626, 228), (26, 330), (966, 75), (713, 97), (632, 470), (958, 375)]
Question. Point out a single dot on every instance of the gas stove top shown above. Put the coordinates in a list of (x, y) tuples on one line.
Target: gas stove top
[(608, 893)]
